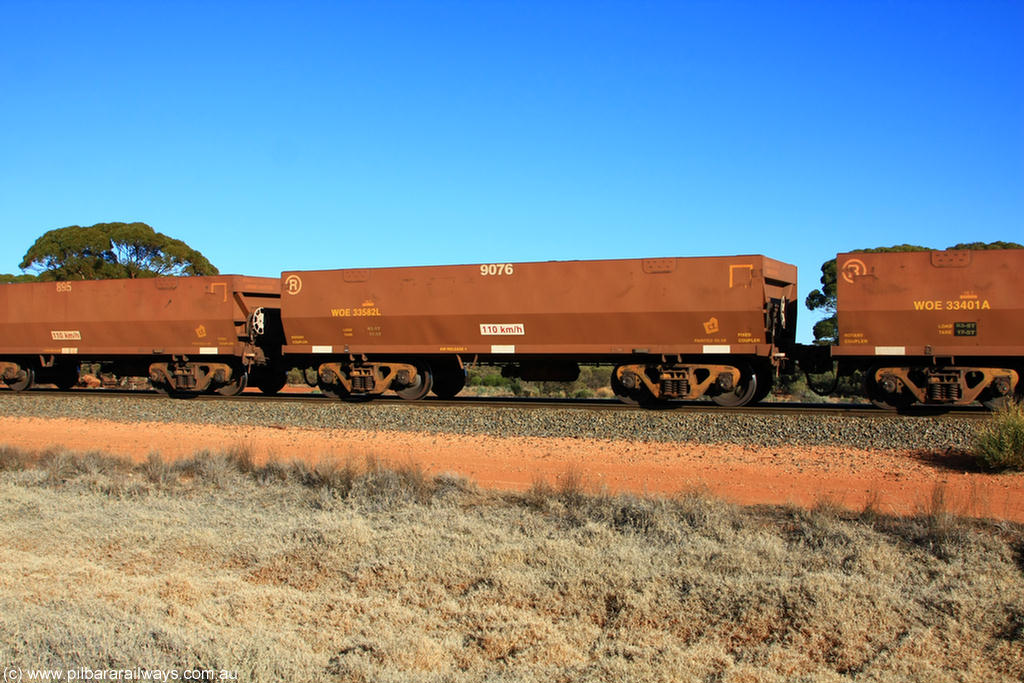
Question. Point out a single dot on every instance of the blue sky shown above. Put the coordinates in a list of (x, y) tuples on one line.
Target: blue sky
[(301, 135)]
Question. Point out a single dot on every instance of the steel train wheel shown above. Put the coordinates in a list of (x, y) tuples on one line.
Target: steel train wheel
[(627, 396), (235, 387), (883, 399), (449, 382), (743, 393), (25, 379), (66, 378), (765, 382), (995, 403), (638, 396), (271, 382), (333, 390), (422, 386)]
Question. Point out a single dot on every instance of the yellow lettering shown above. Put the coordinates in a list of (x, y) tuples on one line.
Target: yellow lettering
[(354, 312), (964, 305)]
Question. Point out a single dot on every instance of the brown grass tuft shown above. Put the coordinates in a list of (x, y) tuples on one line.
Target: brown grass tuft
[(330, 475), (156, 470), (539, 495), (241, 456), (59, 465), (16, 459), (572, 486)]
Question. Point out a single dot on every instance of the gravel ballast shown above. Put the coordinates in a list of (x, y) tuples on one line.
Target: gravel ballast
[(881, 432)]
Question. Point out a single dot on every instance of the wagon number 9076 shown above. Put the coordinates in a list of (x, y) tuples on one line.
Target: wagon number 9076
[(496, 269)]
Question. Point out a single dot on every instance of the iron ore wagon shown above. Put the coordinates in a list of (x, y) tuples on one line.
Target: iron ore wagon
[(187, 334), (938, 327), (673, 327)]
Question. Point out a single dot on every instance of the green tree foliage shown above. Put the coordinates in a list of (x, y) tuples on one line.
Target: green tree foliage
[(6, 278), (987, 245), (824, 299), (112, 250)]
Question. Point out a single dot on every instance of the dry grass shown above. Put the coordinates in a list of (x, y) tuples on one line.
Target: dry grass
[(355, 571)]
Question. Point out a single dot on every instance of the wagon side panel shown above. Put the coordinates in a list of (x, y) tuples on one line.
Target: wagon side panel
[(652, 306), (940, 303)]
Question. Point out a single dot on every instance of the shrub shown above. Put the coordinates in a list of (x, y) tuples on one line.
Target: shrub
[(1000, 443)]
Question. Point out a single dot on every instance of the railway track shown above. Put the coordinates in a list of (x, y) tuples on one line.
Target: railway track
[(858, 410)]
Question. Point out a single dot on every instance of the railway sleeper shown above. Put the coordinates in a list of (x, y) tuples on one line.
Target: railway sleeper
[(368, 378), (943, 385), (180, 375), (677, 381)]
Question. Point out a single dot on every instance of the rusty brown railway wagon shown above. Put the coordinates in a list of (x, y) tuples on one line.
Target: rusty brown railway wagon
[(673, 327), (187, 334), (939, 327)]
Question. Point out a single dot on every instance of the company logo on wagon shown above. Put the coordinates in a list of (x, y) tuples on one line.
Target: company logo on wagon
[(502, 329), (293, 284), (853, 269)]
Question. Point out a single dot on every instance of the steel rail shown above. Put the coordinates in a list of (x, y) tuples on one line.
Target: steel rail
[(859, 410)]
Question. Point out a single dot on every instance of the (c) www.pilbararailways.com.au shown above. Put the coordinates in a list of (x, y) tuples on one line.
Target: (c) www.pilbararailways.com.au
[(16, 674)]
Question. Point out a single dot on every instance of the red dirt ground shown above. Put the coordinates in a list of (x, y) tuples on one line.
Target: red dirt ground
[(890, 481)]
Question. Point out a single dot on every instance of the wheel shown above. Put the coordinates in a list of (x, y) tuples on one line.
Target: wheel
[(742, 394), (995, 403), (627, 396), (998, 403), (765, 382), (420, 388), (884, 399), (449, 382), (234, 387), (333, 390), (271, 382), (25, 379), (66, 377)]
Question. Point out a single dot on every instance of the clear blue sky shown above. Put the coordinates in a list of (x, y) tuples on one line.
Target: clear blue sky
[(300, 135)]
